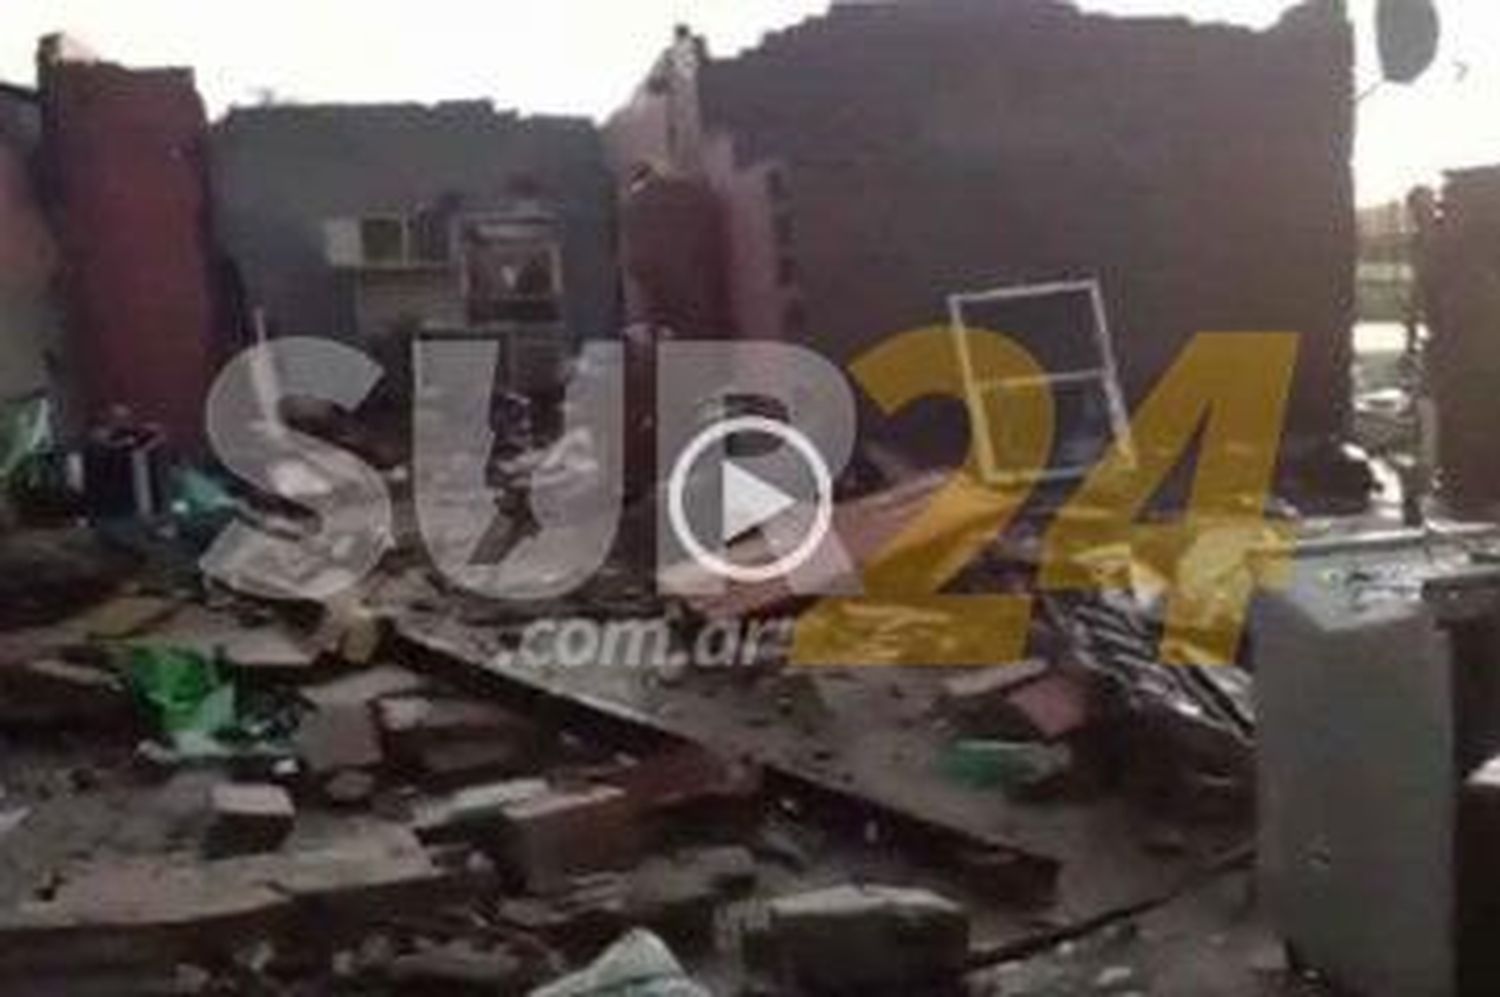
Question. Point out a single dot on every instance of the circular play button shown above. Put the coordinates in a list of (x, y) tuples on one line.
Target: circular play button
[(748, 499)]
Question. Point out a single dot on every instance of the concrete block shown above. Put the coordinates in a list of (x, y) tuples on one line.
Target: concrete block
[(47, 691), (248, 818), (364, 686), (159, 911), (458, 966), (458, 762), (852, 939), (553, 835), (423, 718), (975, 692), (686, 776), (125, 616), (678, 895), (258, 647), (350, 788), (577, 919), (450, 739), (474, 810), (338, 736)]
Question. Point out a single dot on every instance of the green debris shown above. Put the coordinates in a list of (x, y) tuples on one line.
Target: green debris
[(187, 695), (200, 504), (1003, 764), (200, 497), (199, 712), (25, 431)]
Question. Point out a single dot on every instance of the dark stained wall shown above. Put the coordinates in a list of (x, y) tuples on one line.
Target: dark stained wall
[(898, 152), (280, 171)]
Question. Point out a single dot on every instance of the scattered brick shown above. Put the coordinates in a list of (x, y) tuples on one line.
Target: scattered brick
[(46, 691), (474, 810), (363, 686), (551, 836), (338, 736), (850, 939), (161, 911), (687, 775), (973, 693), (254, 817), (678, 895)]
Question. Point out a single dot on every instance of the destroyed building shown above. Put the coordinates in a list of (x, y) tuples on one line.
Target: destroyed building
[(360, 221), (869, 163), (406, 786)]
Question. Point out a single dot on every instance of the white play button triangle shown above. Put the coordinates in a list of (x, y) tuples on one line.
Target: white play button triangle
[(748, 501)]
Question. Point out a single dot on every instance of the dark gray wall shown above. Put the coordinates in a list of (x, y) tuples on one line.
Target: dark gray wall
[(280, 171), (30, 320)]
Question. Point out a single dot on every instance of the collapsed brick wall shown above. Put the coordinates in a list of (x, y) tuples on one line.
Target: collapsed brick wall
[(672, 256), (913, 149), (124, 155)]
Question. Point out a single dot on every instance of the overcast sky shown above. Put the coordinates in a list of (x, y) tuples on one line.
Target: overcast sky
[(584, 56)]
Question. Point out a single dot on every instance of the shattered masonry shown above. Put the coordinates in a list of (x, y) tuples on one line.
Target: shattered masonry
[(871, 162)]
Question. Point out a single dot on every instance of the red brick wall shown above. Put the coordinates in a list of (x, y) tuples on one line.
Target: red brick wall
[(1201, 172), (124, 153)]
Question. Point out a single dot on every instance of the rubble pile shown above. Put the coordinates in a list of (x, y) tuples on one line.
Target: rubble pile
[(398, 834), (275, 717)]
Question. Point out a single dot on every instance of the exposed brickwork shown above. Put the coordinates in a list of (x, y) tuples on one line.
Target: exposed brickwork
[(125, 160), (884, 156)]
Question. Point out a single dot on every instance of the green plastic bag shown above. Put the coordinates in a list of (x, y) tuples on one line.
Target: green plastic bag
[(1002, 764), (187, 695)]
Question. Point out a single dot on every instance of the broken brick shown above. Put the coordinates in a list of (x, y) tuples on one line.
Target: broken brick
[(437, 717), (158, 911), (464, 761), (678, 895), (125, 616), (349, 788), (260, 648), (551, 836), (47, 691), (577, 918), (474, 810), (458, 964), (248, 818), (363, 686), (449, 739), (686, 775), (338, 736), (849, 939), (976, 692)]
